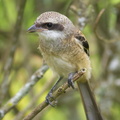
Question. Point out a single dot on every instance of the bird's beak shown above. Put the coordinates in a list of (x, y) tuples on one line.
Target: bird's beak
[(33, 28)]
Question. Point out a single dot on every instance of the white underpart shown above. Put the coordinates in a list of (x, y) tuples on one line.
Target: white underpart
[(51, 35), (62, 67)]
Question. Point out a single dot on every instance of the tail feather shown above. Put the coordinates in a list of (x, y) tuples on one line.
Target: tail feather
[(91, 109)]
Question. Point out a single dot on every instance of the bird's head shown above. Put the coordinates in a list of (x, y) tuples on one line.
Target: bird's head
[(52, 25)]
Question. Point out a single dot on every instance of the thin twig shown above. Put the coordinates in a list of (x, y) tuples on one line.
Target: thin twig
[(98, 18), (56, 94), (95, 28), (23, 91)]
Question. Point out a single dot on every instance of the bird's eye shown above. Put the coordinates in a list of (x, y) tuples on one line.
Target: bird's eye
[(49, 25)]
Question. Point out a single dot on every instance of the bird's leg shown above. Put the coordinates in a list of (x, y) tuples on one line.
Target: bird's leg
[(49, 95), (70, 79)]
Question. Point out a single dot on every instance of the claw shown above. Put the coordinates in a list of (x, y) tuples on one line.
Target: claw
[(49, 97), (71, 84), (70, 80), (49, 102)]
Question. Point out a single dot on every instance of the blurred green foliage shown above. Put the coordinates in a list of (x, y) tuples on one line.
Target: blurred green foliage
[(28, 59)]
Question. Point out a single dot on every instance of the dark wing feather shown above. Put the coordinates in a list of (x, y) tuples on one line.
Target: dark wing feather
[(81, 38)]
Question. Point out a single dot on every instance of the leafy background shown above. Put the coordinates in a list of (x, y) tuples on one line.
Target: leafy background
[(103, 35)]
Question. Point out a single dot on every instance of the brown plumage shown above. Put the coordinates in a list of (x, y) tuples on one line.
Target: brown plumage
[(66, 51)]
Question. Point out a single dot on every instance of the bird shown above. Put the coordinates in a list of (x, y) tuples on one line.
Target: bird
[(66, 51)]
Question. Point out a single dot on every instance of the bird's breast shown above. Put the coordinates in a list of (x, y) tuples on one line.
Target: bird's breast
[(61, 66), (65, 58)]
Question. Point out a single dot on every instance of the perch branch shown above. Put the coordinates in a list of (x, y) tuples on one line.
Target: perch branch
[(56, 94)]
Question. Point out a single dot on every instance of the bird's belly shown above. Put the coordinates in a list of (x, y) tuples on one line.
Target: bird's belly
[(60, 66)]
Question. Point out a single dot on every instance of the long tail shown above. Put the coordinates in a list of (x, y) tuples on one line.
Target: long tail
[(91, 109)]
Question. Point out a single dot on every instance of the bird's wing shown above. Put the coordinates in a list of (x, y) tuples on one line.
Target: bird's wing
[(82, 40)]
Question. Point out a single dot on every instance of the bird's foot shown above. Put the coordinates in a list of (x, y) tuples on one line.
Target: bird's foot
[(71, 84), (70, 80), (51, 100)]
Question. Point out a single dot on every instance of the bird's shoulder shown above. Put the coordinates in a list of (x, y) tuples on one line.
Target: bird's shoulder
[(82, 40)]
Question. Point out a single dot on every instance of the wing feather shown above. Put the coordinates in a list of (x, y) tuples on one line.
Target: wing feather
[(82, 40)]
